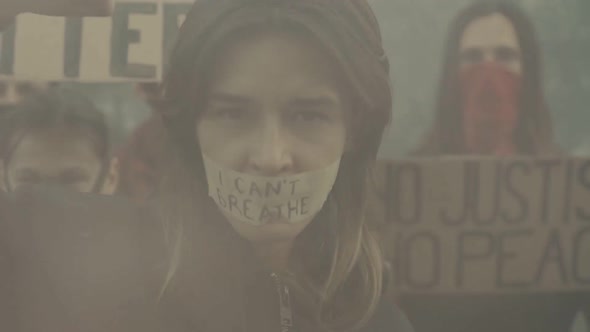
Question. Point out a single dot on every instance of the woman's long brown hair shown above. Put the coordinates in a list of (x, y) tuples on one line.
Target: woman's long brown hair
[(534, 134), (339, 264)]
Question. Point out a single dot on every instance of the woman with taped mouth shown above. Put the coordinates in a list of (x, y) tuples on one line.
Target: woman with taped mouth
[(276, 110)]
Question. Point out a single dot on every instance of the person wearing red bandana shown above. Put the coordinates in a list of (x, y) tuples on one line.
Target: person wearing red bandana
[(490, 108), (491, 104), (490, 98)]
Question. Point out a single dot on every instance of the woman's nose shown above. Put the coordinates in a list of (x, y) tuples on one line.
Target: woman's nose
[(270, 153)]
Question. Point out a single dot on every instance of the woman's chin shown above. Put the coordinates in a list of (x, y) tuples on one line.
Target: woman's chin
[(275, 230)]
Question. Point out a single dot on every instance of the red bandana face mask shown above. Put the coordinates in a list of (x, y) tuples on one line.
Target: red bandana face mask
[(490, 100)]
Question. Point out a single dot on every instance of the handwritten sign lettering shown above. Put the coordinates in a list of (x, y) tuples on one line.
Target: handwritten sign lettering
[(485, 225)]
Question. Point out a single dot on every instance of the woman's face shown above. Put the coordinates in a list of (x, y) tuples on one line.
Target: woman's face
[(275, 106), (491, 39), (60, 158)]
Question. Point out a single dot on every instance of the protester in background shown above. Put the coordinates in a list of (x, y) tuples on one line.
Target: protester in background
[(57, 137), (490, 99), (12, 298), (11, 93), (142, 157), (491, 103)]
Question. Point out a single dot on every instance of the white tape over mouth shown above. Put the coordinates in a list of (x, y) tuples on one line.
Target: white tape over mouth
[(259, 200)]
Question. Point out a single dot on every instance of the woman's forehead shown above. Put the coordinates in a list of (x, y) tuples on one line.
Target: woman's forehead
[(489, 31), (272, 60)]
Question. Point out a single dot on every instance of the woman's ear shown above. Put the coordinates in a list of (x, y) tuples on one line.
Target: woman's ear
[(111, 181)]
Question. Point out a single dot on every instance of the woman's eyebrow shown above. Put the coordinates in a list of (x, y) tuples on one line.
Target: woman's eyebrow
[(507, 49), (230, 98), (26, 172), (315, 102), (472, 50), (76, 172)]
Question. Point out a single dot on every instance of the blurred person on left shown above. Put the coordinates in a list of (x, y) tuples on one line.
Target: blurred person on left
[(58, 138), (11, 93)]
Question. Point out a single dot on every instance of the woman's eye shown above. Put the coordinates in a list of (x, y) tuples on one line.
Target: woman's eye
[(310, 116), (472, 56), (28, 178), (506, 55), (72, 179), (229, 113)]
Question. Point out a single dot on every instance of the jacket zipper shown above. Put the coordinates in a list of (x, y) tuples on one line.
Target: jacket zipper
[(286, 312)]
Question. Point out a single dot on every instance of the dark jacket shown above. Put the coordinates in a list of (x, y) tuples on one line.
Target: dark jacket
[(76, 264), (540, 312), (87, 263)]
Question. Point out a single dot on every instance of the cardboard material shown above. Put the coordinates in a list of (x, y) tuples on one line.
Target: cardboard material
[(487, 226), (129, 46)]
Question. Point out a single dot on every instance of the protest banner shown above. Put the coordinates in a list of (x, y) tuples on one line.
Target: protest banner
[(131, 45), (487, 225)]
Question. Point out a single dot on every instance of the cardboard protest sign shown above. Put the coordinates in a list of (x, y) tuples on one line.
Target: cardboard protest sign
[(488, 225), (129, 46)]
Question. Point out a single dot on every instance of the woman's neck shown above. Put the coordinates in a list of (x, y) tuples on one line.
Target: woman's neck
[(274, 255)]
